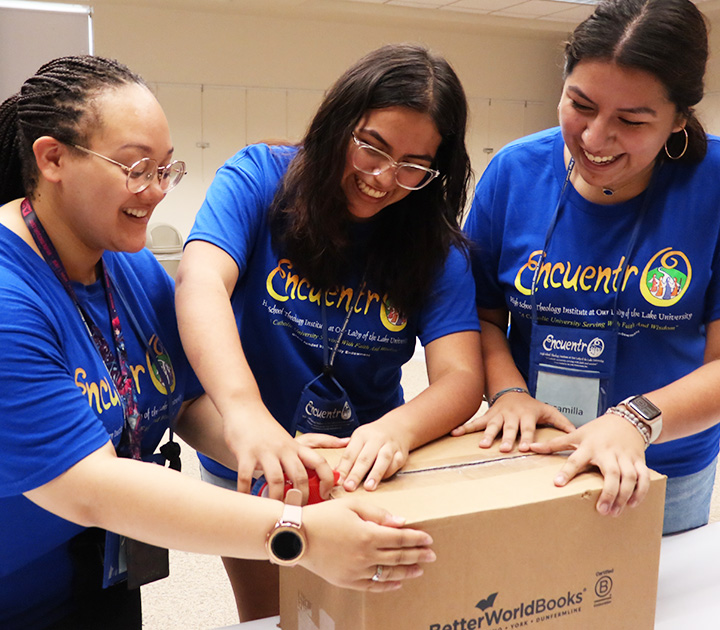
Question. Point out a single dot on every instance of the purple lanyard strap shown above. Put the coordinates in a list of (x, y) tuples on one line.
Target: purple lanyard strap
[(116, 367)]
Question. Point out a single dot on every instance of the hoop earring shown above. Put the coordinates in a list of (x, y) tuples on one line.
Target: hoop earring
[(677, 157)]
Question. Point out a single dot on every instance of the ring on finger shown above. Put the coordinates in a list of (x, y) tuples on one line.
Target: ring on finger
[(378, 573)]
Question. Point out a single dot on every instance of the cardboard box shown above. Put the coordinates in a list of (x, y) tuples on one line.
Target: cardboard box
[(513, 551)]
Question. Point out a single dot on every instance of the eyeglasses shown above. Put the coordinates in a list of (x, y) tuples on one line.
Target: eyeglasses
[(141, 174), (371, 161)]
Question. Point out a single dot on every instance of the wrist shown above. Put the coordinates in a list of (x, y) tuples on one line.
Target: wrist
[(645, 412), (286, 542), (240, 407), (508, 390), (401, 427), (639, 426), (247, 421)]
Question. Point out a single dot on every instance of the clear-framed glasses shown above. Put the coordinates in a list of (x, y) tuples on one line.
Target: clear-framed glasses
[(141, 174), (371, 161)]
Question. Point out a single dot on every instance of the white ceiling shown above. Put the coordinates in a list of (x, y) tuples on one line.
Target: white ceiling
[(553, 10), (550, 10), (537, 16)]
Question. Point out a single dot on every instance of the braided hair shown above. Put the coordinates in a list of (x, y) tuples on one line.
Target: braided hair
[(57, 101)]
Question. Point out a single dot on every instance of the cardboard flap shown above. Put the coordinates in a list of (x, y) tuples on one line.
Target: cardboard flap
[(440, 494), (453, 476), (448, 451)]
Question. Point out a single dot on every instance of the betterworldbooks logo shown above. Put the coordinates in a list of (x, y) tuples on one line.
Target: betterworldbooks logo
[(535, 611)]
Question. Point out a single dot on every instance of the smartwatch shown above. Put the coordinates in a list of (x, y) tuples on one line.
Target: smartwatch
[(286, 543), (647, 413)]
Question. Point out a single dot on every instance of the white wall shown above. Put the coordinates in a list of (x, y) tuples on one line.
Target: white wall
[(226, 79), (709, 108), (56, 30)]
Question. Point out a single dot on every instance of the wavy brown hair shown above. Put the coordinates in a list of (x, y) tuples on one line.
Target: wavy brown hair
[(412, 237)]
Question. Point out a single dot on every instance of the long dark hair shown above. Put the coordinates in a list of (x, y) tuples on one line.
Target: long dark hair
[(668, 39), (56, 101), (411, 238)]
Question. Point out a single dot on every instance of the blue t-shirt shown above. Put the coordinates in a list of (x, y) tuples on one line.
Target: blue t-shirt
[(669, 292), (278, 312), (58, 405)]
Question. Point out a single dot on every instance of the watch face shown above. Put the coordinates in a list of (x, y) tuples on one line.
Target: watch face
[(286, 545), (644, 407)]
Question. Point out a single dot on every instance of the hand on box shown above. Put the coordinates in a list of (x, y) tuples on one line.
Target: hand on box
[(265, 447), (513, 412), (349, 540), (321, 440), (374, 453), (616, 447)]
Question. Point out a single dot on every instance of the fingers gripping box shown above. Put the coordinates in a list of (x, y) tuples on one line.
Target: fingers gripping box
[(514, 551)]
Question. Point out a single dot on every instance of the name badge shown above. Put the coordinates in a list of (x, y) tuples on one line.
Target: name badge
[(325, 407), (571, 369), (137, 562)]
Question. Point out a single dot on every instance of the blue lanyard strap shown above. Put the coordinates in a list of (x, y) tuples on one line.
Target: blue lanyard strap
[(623, 263), (329, 360)]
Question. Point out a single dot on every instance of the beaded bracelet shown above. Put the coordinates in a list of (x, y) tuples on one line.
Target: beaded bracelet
[(508, 390), (632, 419)]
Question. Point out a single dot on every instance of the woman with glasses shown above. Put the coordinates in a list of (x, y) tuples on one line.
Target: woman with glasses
[(92, 374), (600, 240), (312, 270)]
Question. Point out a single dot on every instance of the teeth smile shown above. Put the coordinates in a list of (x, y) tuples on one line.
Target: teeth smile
[(134, 212), (595, 159), (367, 190)]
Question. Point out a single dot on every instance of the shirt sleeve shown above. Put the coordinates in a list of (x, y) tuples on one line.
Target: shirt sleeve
[(485, 230), (46, 424), (238, 199), (451, 305)]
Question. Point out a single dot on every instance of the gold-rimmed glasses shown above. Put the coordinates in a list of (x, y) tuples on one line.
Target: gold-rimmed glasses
[(141, 174)]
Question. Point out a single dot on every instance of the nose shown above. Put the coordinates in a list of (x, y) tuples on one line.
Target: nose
[(153, 193), (597, 134), (386, 179)]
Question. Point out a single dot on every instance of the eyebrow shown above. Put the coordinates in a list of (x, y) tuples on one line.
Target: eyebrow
[(144, 148), (388, 148), (627, 110)]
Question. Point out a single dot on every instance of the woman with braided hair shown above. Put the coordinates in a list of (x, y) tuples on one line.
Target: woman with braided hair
[(92, 374)]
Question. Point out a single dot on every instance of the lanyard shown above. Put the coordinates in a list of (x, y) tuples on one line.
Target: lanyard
[(329, 360), (115, 363), (171, 449), (625, 259)]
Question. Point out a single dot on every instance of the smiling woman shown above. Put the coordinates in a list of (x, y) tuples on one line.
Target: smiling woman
[(141, 137), (614, 218), (314, 269), (93, 375), (615, 121), (409, 134)]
